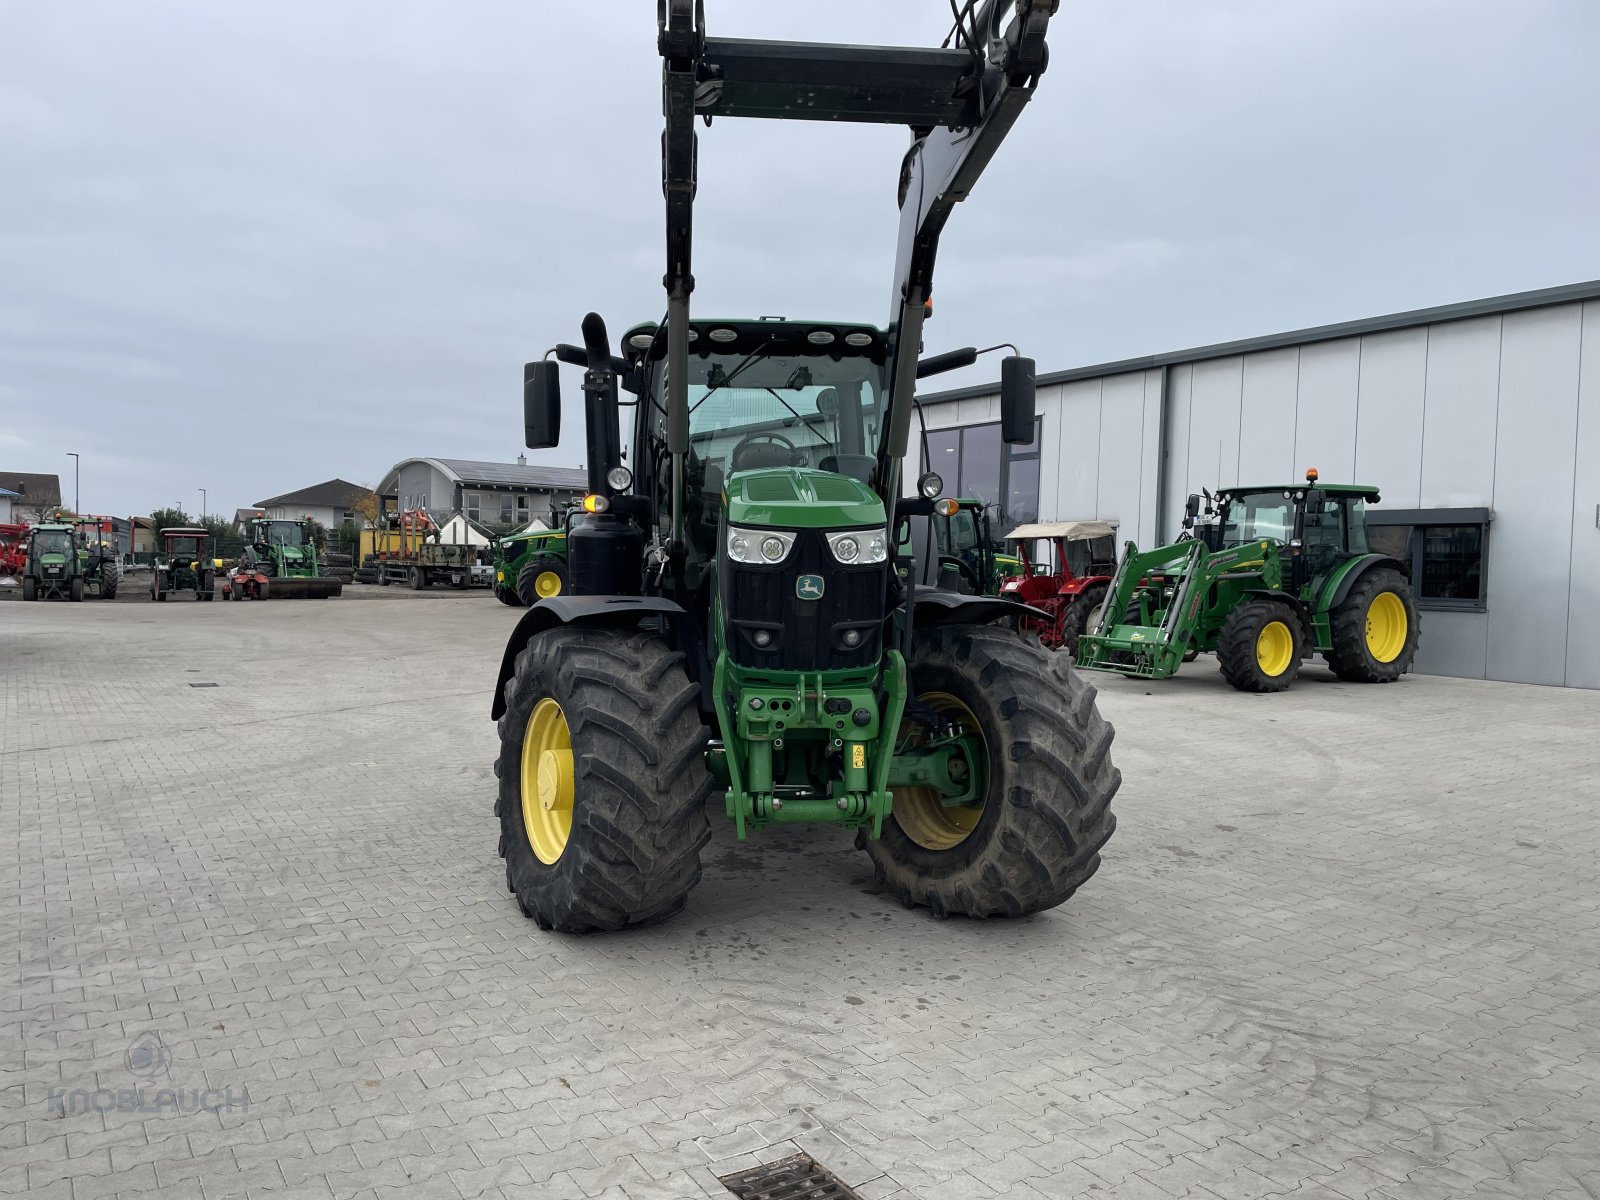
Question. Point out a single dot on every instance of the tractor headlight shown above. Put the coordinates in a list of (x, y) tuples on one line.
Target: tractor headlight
[(859, 547), (759, 546), (620, 478)]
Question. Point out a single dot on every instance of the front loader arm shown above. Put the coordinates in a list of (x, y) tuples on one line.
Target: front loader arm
[(959, 101)]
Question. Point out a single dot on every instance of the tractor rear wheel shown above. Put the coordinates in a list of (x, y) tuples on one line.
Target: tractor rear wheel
[(1076, 617), (30, 588), (1046, 810), (603, 781), (1260, 646), (541, 579), (1375, 630), (109, 579)]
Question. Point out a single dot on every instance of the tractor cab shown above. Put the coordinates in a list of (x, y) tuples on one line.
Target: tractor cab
[(274, 532), (183, 564), (51, 568), (1316, 526)]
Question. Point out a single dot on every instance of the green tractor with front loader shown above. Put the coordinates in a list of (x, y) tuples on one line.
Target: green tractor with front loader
[(52, 569), (738, 620), (530, 566), (280, 562), (1271, 575)]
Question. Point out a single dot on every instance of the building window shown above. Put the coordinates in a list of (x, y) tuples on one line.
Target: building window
[(474, 506), (1445, 550), (976, 464), (505, 509), (522, 508)]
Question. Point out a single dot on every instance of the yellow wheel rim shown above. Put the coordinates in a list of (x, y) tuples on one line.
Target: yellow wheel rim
[(1386, 627), (547, 781), (1274, 648), (547, 584), (918, 810)]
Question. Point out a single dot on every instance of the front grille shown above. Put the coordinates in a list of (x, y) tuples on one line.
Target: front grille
[(807, 634)]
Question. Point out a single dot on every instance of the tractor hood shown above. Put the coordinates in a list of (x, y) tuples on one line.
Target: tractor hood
[(800, 498)]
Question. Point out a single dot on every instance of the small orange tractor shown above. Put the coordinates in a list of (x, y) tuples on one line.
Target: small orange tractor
[(1066, 568)]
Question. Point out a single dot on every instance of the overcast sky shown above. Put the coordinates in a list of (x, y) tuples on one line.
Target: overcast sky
[(252, 246)]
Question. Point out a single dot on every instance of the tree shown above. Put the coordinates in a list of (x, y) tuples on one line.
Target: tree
[(369, 508), (168, 518)]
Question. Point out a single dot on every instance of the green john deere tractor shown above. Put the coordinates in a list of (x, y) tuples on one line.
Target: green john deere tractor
[(52, 569), (969, 558), (1274, 574), (184, 563), (97, 556), (530, 566), (280, 563), (737, 619)]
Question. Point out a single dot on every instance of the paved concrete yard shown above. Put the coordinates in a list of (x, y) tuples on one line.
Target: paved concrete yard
[(1346, 943)]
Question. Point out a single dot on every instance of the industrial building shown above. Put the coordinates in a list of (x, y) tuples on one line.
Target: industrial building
[(492, 494), (1477, 420)]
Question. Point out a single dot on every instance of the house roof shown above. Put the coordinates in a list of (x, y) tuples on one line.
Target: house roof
[(41, 490), (335, 493), (473, 472), (8, 492)]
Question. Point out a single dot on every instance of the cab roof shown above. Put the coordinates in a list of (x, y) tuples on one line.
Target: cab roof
[(1365, 490), (185, 531)]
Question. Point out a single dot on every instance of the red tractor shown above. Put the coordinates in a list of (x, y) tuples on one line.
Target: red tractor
[(1066, 569)]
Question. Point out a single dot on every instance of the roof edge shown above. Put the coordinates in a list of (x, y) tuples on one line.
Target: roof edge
[(1463, 310)]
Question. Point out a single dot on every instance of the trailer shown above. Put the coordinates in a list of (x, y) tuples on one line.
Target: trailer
[(412, 555)]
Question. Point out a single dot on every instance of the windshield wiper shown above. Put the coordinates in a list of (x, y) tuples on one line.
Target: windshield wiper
[(727, 380)]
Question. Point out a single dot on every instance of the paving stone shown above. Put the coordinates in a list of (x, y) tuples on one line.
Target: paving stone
[(1334, 949)]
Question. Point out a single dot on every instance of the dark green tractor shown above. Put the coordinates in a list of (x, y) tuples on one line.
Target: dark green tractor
[(97, 556), (52, 569), (184, 563), (1275, 574), (970, 559), (737, 619), (530, 566)]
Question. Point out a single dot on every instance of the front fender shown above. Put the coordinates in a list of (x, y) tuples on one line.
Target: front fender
[(934, 606), (573, 610)]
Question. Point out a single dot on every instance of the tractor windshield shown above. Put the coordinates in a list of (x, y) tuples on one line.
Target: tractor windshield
[(52, 541), (183, 547), (749, 412), (1251, 516), (285, 533)]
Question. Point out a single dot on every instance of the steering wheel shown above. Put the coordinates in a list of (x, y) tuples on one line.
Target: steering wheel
[(750, 447)]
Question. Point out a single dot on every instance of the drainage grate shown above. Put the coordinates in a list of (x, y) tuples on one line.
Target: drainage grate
[(205, 685), (797, 1178)]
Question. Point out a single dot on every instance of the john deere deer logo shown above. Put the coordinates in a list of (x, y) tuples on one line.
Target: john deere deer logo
[(809, 587)]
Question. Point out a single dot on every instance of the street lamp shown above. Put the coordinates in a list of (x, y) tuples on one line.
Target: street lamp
[(73, 455), (202, 504)]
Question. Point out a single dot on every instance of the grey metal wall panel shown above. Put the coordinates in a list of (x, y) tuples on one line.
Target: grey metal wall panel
[(1583, 609), (1394, 380), (1461, 404), (1079, 471), (1325, 412), (1453, 643), (1150, 459), (1121, 454), (1214, 424), (1532, 484), (1180, 385), (1266, 416), (1049, 447)]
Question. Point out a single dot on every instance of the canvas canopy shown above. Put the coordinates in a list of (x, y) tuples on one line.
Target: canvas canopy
[(458, 531), (1073, 531)]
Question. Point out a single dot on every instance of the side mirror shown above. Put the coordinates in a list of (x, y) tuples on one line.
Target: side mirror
[(1191, 510), (541, 404), (1017, 401)]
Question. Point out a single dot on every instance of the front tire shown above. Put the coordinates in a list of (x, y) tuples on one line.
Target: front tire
[(419, 579), (30, 588), (75, 589), (603, 781), (508, 596), (1076, 618), (1375, 631), (1260, 646), (541, 579), (1046, 811)]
